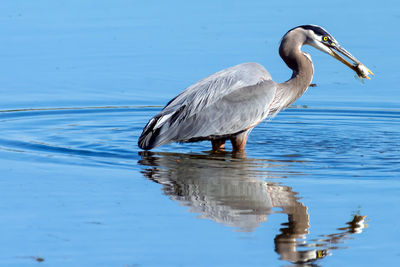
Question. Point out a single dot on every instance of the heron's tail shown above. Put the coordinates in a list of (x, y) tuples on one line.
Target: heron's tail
[(161, 129), (148, 138)]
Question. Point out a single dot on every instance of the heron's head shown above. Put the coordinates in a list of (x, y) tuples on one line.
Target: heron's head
[(319, 38)]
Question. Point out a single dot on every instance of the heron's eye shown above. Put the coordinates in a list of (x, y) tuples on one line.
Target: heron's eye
[(325, 38)]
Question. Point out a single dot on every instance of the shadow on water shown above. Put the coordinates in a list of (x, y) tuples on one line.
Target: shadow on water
[(234, 192)]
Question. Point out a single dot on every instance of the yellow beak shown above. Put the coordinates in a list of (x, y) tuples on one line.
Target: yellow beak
[(361, 70)]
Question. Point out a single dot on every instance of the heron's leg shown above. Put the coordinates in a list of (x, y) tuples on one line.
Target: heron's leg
[(239, 141), (218, 145)]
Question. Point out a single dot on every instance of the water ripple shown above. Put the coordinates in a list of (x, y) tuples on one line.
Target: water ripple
[(323, 144), (361, 141)]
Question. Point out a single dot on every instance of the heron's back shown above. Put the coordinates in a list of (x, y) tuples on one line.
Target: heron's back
[(223, 104)]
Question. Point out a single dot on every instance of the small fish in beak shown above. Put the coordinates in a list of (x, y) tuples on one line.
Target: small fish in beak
[(362, 71)]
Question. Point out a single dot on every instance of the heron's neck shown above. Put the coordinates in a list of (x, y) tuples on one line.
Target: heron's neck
[(303, 70)]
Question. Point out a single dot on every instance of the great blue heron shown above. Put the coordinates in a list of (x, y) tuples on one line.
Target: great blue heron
[(230, 103)]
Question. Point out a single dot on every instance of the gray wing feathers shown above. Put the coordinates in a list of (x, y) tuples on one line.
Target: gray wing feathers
[(222, 104), (233, 113), (217, 85)]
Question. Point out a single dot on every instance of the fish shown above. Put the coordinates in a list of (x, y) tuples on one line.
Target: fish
[(362, 71)]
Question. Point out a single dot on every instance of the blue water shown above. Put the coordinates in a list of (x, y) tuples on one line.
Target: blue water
[(79, 79)]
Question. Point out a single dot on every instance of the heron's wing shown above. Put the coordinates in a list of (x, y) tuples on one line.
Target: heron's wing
[(217, 85), (238, 111), (222, 104)]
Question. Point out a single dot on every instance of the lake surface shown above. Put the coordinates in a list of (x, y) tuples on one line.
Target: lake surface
[(318, 186)]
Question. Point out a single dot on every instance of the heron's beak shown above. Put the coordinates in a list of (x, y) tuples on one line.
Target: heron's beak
[(357, 66)]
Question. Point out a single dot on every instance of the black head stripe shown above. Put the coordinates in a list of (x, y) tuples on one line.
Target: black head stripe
[(316, 29)]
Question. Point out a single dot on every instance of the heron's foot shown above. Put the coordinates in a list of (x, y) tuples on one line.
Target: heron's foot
[(218, 146), (238, 143), (238, 146)]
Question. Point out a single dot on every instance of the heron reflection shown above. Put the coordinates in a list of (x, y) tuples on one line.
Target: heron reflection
[(234, 192)]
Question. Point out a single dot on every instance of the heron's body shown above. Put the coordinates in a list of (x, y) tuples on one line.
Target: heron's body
[(230, 103)]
